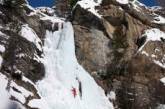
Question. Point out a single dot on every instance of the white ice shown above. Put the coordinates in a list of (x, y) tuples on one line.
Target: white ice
[(62, 69)]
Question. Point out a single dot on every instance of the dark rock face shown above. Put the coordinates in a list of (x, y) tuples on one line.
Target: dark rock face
[(19, 55), (108, 48), (16, 44), (62, 8), (93, 42)]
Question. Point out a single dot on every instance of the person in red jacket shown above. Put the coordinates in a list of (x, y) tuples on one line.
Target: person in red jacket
[(74, 92)]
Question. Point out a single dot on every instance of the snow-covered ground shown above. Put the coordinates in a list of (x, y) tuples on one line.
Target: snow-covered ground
[(63, 74)]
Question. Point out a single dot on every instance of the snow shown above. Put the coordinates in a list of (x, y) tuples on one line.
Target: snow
[(112, 95), (123, 1), (29, 34), (22, 95), (3, 93), (159, 63), (153, 56), (161, 106), (27, 80), (20, 55), (46, 9), (153, 34), (145, 53), (62, 72), (52, 19), (159, 19), (39, 11), (90, 6), (2, 34), (163, 80), (1, 1), (1, 60), (137, 5), (2, 48), (38, 103)]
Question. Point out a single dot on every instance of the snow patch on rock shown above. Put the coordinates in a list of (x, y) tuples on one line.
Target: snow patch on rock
[(163, 80), (112, 95), (153, 34), (123, 1), (91, 5), (159, 19), (29, 34)]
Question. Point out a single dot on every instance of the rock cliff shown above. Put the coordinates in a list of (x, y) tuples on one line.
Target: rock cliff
[(119, 43), (114, 48)]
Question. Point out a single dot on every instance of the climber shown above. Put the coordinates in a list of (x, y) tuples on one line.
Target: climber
[(80, 86), (74, 92)]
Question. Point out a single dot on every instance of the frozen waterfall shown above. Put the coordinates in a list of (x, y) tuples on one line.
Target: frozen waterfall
[(63, 73)]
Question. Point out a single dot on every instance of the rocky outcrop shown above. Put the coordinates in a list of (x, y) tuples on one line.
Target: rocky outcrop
[(108, 47), (19, 54)]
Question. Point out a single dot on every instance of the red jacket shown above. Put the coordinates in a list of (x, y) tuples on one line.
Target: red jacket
[(74, 92)]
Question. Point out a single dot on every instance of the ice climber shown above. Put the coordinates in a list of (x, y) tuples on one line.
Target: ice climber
[(74, 92), (80, 87)]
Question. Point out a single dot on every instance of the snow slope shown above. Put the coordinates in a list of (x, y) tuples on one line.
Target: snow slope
[(63, 73)]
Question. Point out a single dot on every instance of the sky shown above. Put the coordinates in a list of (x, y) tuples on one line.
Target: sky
[(50, 3), (149, 2), (38, 3)]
